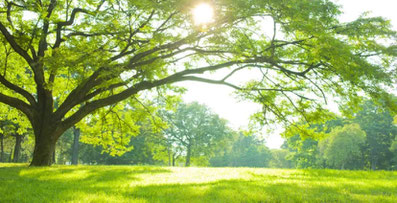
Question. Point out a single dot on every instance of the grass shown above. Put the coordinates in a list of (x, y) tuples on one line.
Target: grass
[(19, 183)]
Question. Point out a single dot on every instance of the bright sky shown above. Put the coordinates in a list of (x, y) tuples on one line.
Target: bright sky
[(221, 100)]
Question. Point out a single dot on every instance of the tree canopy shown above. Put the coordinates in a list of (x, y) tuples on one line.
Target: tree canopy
[(65, 60)]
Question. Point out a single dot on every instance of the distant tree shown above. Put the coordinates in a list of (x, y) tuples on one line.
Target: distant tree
[(140, 154), (377, 123), (249, 151), (76, 145), (279, 159), (393, 149), (222, 156), (303, 151), (2, 147), (146, 148), (17, 148), (63, 148), (14, 143), (246, 151), (195, 131), (343, 147), (15, 129)]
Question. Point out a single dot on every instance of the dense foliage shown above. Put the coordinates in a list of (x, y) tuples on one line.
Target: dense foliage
[(366, 141), (343, 147), (245, 150), (194, 132)]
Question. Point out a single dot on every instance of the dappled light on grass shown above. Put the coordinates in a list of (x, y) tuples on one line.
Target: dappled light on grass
[(165, 184)]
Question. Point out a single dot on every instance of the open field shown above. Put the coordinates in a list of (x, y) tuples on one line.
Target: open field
[(18, 183)]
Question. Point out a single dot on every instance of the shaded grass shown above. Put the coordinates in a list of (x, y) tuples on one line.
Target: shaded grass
[(18, 183)]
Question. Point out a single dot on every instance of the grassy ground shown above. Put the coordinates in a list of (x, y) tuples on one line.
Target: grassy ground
[(18, 183)]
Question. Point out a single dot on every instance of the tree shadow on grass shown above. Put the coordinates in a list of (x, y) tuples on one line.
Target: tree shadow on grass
[(64, 184)]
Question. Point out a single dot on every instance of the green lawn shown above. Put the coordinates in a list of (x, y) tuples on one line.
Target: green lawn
[(18, 183)]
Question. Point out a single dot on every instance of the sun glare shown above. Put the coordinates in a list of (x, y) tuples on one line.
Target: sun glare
[(203, 14)]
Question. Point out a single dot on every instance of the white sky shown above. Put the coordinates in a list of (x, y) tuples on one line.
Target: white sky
[(220, 98)]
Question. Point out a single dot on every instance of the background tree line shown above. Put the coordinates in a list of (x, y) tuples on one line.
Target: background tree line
[(197, 136), (366, 141)]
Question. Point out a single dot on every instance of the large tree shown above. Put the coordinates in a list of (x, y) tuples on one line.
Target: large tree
[(62, 60)]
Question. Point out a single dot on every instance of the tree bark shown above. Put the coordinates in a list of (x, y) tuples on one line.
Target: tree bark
[(75, 147), (17, 148), (188, 155), (2, 148), (44, 149), (43, 152)]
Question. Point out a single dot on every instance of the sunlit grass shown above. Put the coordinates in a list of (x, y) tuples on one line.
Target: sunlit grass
[(18, 183)]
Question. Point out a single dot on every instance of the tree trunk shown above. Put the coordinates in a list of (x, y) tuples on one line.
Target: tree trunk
[(373, 164), (43, 153), (169, 157), (173, 160), (188, 155), (17, 148), (44, 147), (10, 157), (75, 147), (175, 157), (2, 148)]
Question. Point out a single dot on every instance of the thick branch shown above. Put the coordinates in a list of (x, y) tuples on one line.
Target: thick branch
[(18, 89), (76, 95), (92, 81), (80, 92), (92, 106), (18, 104)]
